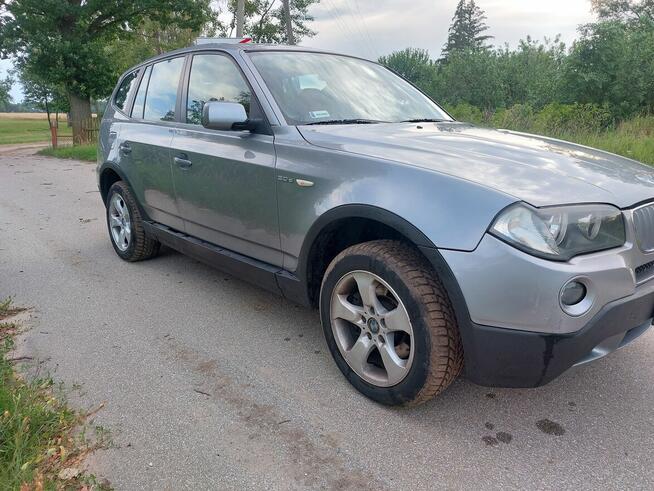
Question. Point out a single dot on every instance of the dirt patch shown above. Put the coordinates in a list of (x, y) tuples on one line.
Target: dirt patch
[(313, 461)]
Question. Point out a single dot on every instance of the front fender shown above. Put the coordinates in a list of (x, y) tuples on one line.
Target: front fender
[(449, 212)]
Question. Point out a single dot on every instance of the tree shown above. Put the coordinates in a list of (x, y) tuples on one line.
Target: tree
[(152, 38), (265, 20), (624, 9), (66, 42), (613, 62), (532, 74), (5, 88), (413, 64), (41, 96), (466, 30)]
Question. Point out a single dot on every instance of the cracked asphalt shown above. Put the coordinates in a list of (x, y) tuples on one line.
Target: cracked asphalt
[(211, 383)]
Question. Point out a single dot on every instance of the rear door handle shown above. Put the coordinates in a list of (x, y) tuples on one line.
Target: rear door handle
[(125, 148), (183, 162)]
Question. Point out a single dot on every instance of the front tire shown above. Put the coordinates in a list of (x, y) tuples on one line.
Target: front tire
[(389, 323), (125, 226)]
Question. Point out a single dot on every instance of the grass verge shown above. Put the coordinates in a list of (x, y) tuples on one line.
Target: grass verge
[(43, 442), (17, 130), (87, 153)]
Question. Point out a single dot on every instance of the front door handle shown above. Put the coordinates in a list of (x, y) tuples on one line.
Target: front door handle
[(125, 148), (183, 162)]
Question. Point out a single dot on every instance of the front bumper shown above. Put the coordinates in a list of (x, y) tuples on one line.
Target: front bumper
[(498, 357), (525, 356)]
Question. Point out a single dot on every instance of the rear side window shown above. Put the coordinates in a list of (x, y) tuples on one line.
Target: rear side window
[(214, 78), (139, 101), (161, 96), (125, 90)]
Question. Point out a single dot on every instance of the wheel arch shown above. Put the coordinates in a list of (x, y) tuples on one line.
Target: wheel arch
[(344, 226), (310, 271)]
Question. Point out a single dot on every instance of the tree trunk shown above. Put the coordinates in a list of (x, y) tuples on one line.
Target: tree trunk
[(47, 110), (80, 112)]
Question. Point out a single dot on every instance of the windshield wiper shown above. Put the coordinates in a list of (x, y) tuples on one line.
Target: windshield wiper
[(424, 120), (345, 121)]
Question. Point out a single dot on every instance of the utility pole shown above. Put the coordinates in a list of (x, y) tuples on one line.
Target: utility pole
[(240, 17), (289, 23)]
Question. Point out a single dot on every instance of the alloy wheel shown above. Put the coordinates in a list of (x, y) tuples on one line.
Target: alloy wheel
[(372, 329), (119, 222)]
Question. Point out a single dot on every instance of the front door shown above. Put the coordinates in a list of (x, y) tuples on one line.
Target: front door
[(225, 180)]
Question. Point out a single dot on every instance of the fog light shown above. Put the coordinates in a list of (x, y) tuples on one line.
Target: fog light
[(573, 293)]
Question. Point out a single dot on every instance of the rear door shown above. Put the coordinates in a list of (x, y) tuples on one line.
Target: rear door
[(145, 141), (225, 180)]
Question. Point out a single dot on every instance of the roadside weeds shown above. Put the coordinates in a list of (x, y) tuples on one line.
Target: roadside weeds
[(43, 442)]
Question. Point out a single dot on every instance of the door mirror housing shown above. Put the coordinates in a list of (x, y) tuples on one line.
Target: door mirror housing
[(226, 116)]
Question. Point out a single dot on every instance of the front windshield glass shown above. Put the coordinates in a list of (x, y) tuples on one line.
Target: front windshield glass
[(318, 88)]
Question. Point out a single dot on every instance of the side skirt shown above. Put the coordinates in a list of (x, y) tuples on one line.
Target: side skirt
[(265, 275)]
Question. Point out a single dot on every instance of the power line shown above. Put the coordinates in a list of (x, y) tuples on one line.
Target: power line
[(344, 23), (364, 24)]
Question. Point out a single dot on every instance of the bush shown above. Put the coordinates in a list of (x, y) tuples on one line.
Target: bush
[(572, 118), (466, 112), (519, 117)]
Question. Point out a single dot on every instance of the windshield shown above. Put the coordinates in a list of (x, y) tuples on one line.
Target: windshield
[(318, 88)]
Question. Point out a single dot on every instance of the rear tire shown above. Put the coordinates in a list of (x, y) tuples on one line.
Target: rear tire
[(407, 349), (125, 226)]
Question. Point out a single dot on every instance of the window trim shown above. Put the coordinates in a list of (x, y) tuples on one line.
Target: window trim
[(265, 130)]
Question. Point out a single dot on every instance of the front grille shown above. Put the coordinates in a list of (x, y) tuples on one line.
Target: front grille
[(644, 224)]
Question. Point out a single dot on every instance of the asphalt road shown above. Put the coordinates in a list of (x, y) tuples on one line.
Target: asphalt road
[(209, 382)]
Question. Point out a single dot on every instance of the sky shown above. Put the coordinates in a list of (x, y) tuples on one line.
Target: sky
[(371, 28)]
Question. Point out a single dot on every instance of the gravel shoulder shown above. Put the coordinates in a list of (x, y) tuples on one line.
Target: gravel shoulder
[(209, 382)]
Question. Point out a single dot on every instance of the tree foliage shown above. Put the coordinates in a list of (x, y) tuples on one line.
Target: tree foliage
[(466, 32), (5, 88), (413, 64), (610, 67), (624, 9), (264, 20), (613, 63), (66, 42)]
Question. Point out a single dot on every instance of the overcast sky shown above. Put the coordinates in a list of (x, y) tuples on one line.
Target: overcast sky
[(371, 28)]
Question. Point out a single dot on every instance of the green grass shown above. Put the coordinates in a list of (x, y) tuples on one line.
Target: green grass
[(79, 152), (36, 427), (633, 138), (28, 130)]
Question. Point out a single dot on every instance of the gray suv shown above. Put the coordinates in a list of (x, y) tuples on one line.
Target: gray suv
[(430, 246)]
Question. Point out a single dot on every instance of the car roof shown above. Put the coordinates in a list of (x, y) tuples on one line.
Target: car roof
[(233, 48)]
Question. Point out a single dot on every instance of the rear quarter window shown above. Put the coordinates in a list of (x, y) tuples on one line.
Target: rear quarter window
[(127, 86)]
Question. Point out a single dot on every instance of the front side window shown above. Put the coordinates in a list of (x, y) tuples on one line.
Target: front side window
[(214, 77), (161, 96), (125, 90), (320, 87)]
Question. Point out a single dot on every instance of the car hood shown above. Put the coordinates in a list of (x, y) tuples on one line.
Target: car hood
[(538, 170)]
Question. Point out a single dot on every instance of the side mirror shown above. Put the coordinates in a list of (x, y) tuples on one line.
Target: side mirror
[(226, 116)]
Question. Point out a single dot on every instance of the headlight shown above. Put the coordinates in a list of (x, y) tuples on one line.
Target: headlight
[(560, 233)]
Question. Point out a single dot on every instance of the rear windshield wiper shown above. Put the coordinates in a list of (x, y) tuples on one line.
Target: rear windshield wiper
[(345, 121), (424, 120)]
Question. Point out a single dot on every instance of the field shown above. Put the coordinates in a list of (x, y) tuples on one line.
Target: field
[(28, 128)]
